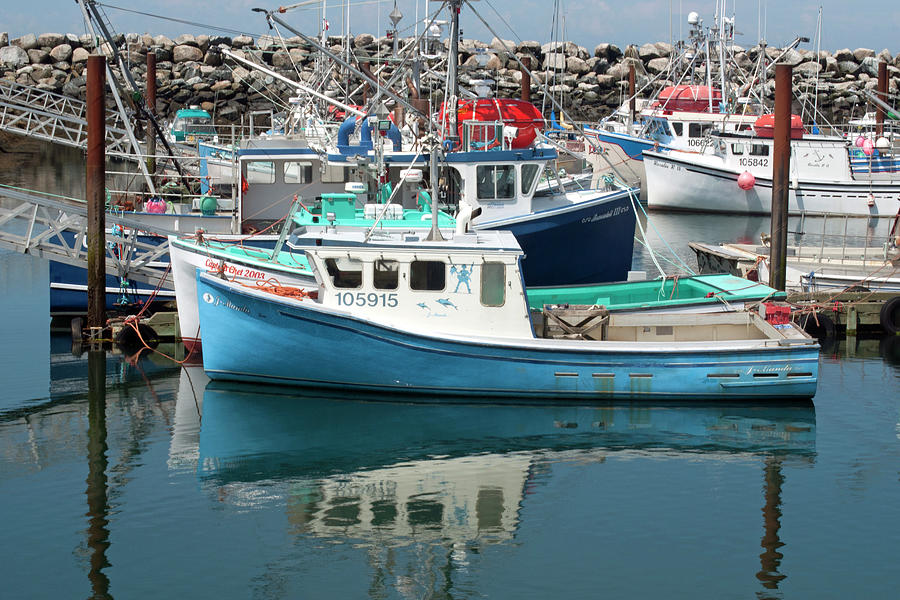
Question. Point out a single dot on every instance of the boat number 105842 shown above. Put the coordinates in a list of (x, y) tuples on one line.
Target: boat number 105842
[(364, 299), (753, 162)]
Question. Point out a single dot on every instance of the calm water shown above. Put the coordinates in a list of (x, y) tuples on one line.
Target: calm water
[(131, 476)]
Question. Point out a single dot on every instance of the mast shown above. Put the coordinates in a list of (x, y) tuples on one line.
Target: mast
[(452, 67)]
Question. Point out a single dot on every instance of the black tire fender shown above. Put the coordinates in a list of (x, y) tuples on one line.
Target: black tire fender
[(890, 315)]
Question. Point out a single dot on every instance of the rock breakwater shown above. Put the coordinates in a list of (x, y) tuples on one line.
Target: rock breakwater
[(191, 70)]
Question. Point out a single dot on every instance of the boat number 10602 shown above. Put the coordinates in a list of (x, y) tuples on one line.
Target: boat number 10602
[(364, 299)]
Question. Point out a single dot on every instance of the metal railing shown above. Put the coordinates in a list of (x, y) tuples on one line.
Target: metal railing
[(56, 229), (52, 117)]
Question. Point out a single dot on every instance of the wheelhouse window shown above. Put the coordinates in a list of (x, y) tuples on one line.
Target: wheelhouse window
[(696, 130), (427, 275), (759, 150), (529, 176), (678, 127), (297, 172), (496, 182), (260, 171), (737, 149), (344, 272), (386, 274), (493, 284)]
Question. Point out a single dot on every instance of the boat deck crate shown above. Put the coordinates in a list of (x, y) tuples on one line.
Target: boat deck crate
[(343, 206), (575, 321)]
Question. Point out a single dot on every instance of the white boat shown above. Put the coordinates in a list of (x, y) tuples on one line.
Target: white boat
[(821, 180)]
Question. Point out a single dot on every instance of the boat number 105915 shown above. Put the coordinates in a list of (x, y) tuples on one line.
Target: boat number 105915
[(364, 299)]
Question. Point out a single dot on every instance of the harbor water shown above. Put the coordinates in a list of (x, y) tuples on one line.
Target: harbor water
[(131, 476)]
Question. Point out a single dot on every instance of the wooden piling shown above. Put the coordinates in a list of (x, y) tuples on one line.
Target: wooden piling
[(526, 79), (781, 164), (881, 92), (632, 101), (151, 107), (95, 184)]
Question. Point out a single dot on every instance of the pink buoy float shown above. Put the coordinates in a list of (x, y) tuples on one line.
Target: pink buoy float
[(860, 141), (746, 181), (155, 205), (868, 147)]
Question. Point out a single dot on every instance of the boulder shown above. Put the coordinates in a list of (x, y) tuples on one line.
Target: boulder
[(792, 57), (267, 43), (610, 52), (606, 81), (49, 40), (186, 39), (555, 61), (868, 65), (884, 56), (38, 56), (241, 41), (529, 47), (860, 53), (213, 57), (847, 67), (26, 42), (281, 60), (577, 65), (498, 45), (648, 52), (13, 57), (61, 52), (496, 62), (218, 40), (186, 53), (808, 69), (80, 55), (4, 39), (363, 40), (665, 49), (658, 65), (164, 42)]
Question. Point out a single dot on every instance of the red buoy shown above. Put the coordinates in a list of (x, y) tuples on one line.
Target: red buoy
[(524, 116), (765, 126)]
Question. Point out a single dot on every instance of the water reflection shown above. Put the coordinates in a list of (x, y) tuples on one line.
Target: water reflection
[(97, 500), (422, 485)]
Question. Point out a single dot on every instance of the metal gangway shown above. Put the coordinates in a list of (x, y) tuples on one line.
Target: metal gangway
[(45, 115), (55, 228)]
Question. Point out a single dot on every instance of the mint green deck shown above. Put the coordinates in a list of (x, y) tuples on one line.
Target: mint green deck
[(670, 293), (343, 208)]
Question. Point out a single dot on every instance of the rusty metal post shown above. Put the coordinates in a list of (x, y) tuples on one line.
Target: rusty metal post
[(781, 164), (526, 79), (882, 95), (632, 102), (151, 106), (95, 185)]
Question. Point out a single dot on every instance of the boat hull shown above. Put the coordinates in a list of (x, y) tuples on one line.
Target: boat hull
[(186, 259), (306, 345), (675, 183), (587, 242)]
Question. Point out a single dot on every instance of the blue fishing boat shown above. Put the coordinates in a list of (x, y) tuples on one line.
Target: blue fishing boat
[(451, 317)]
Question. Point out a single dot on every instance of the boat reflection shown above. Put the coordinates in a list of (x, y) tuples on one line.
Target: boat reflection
[(398, 472)]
